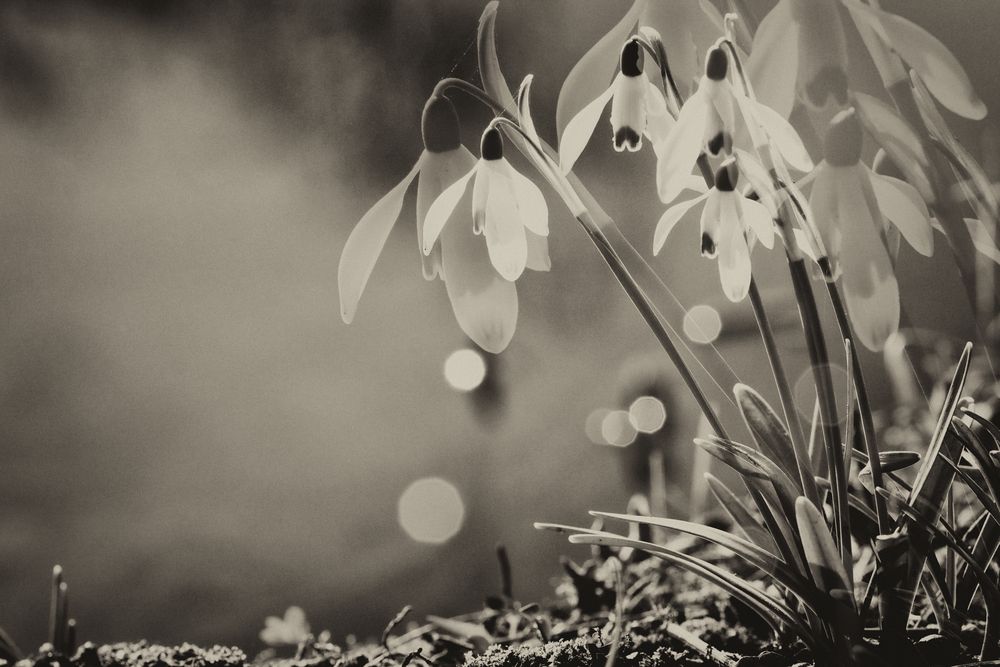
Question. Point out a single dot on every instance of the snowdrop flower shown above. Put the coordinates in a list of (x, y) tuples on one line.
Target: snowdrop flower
[(800, 51), (727, 220), (853, 208), (506, 208), (484, 303), (687, 27), (637, 108)]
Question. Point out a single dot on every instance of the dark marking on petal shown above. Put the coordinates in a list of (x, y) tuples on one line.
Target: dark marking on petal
[(491, 146), (727, 176), (631, 58), (717, 143), (439, 125), (707, 246), (842, 144), (717, 64), (829, 83), (628, 138)]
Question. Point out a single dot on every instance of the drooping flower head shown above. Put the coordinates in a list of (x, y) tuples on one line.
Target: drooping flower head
[(853, 207), (484, 303), (729, 225)]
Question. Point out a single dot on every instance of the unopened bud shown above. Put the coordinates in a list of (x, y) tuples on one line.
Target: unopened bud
[(631, 58), (491, 146), (842, 146), (717, 64), (439, 125)]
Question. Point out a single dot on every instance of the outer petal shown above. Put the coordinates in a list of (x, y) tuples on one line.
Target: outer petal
[(438, 172), (822, 52), (659, 122), (870, 288), (485, 304), (531, 206), (783, 135), (628, 112), (898, 139), (679, 151), (936, 65), (504, 231), (823, 202), (734, 256), (982, 240), (594, 71), (440, 211), (901, 204), (710, 225), (773, 62), (757, 218), (365, 244), (538, 252), (669, 220), (579, 130)]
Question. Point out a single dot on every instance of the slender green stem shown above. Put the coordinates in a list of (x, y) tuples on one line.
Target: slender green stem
[(648, 313), (820, 362), (864, 407), (806, 474)]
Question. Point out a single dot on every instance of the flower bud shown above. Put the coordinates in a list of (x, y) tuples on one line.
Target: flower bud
[(727, 176), (842, 145), (631, 59), (491, 146), (439, 125), (717, 64)]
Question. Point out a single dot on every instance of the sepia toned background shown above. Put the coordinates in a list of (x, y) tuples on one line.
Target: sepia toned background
[(185, 423)]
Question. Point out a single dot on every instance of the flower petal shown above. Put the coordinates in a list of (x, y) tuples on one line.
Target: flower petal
[(365, 244), (628, 111), (826, 214), (734, 256), (902, 206), (439, 170), (679, 151), (485, 304), (936, 65), (442, 207), (758, 219), (773, 63), (870, 288), (782, 135), (538, 252), (982, 240), (579, 130), (753, 172), (658, 119), (669, 220), (591, 75), (709, 224), (531, 206), (504, 231), (898, 139)]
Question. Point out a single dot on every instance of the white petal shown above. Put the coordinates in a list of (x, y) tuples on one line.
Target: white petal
[(805, 245), (734, 259), (783, 136), (936, 65), (669, 220), (679, 151), (758, 219), (538, 252), (579, 130), (365, 244), (591, 75), (505, 237), (902, 205), (754, 173), (822, 53), (773, 62), (709, 224), (534, 212), (870, 288), (485, 304), (439, 170), (628, 112), (982, 240), (659, 121), (897, 138), (440, 211)]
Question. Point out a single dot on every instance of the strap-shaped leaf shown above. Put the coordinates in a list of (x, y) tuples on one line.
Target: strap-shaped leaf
[(494, 82), (740, 515), (824, 560)]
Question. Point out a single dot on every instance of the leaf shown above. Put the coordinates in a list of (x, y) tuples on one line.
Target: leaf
[(489, 65), (942, 72), (748, 461), (890, 462), (740, 515), (827, 568), (474, 633)]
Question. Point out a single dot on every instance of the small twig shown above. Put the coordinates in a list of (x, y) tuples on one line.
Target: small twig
[(396, 620), (696, 644), (616, 634), (506, 583)]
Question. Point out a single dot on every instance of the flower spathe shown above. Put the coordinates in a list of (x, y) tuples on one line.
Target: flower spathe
[(853, 208), (507, 209), (484, 303), (637, 108), (687, 27), (729, 223)]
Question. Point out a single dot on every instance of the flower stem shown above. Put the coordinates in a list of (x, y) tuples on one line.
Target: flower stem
[(648, 313), (802, 461)]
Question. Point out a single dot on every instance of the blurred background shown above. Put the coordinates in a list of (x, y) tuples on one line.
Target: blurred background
[(185, 423)]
